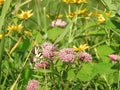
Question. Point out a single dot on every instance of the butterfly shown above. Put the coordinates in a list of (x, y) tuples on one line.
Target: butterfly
[(36, 54)]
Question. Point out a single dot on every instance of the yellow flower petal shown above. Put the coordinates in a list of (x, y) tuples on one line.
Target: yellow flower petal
[(80, 11), (8, 33), (108, 14), (15, 27), (28, 33), (75, 1), (75, 48), (71, 15), (81, 47), (1, 36), (25, 14), (101, 19), (79, 1)]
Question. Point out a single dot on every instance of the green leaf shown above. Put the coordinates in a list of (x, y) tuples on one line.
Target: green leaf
[(113, 77), (97, 32), (59, 65), (71, 75), (27, 73), (85, 74), (64, 75), (104, 51), (102, 68), (24, 45), (89, 25), (110, 5), (110, 24), (61, 37), (54, 33), (38, 37), (44, 70)]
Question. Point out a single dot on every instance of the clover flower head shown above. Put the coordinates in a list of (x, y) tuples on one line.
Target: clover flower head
[(67, 55), (32, 85), (48, 53), (48, 50), (58, 23), (83, 56), (25, 14), (113, 57), (47, 46), (42, 64)]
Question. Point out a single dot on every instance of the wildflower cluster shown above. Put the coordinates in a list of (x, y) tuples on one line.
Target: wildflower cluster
[(41, 64), (66, 55), (32, 85), (78, 30), (83, 56), (48, 50), (18, 27)]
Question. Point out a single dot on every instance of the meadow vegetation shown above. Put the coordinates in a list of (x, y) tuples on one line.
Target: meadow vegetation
[(59, 45)]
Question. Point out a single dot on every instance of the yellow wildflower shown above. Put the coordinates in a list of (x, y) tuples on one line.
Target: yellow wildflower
[(2, 2), (79, 1), (59, 16), (6, 34), (1, 36), (28, 33), (68, 1), (54, 16), (15, 27), (81, 47), (101, 19), (80, 11), (25, 14), (87, 14), (75, 1), (34, 43), (108, 14), (71, 15)]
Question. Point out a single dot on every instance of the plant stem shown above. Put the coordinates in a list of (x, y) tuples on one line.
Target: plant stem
[(118, 74), (17, 43), (46, 86), (13, 86), (106, 81), (1, 54)]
